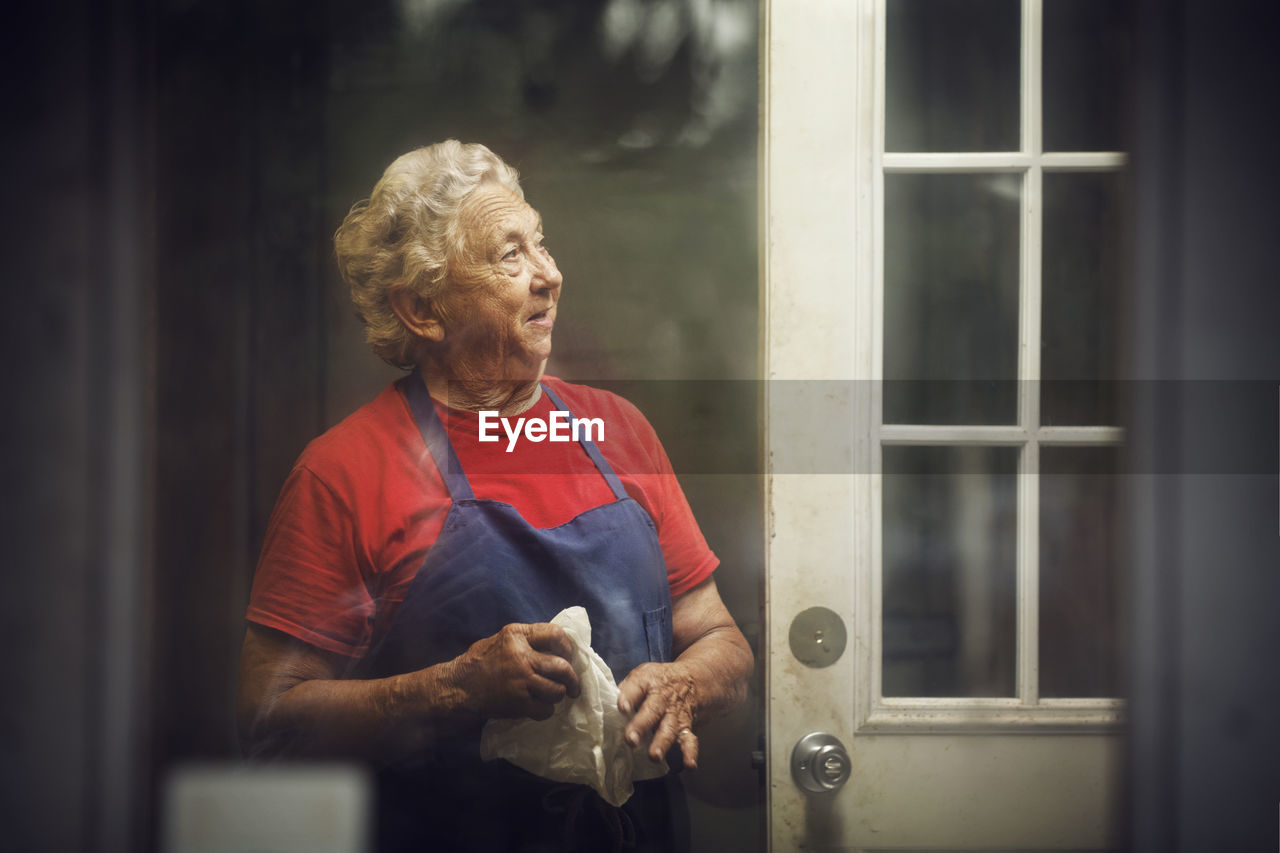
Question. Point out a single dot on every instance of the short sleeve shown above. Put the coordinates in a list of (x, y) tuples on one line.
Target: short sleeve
[(690, 560), (645, 469), (309, 583)]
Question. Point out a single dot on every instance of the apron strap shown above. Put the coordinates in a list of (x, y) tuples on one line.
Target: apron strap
[(437, 439), (602, 464)]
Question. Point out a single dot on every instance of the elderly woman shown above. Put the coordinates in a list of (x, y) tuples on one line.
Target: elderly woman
[(412, 564)]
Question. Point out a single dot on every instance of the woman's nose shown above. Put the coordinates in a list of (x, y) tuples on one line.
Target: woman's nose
[(546, 275)]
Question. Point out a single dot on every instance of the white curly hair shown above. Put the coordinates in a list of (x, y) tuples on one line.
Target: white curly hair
[(405, 233)]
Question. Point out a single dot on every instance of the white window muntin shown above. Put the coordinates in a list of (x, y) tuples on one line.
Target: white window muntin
[(1026, 710)]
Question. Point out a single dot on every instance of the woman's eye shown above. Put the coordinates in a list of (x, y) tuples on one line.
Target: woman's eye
[(511, 255)]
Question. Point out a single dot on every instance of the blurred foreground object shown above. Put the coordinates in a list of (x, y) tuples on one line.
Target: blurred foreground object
[(238, 808)]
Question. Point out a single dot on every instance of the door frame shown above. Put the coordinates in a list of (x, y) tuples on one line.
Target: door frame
[(821, 181)]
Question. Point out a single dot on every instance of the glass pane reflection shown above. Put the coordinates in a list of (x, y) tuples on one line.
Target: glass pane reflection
[(1079, 576), (1081, 283), (949, 570), (951, 298), (1085, 45), (952, 74)]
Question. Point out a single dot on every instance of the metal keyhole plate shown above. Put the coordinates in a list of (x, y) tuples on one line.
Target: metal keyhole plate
[(817, 637)]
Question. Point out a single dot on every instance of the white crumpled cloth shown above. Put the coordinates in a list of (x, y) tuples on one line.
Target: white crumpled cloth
[(582, 741)]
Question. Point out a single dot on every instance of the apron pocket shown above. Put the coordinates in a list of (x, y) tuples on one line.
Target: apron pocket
[(657, 631)]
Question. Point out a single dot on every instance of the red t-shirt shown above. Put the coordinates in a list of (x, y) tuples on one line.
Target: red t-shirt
[(365, 502)]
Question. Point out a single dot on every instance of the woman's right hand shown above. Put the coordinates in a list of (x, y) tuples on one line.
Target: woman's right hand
[(521, 671)]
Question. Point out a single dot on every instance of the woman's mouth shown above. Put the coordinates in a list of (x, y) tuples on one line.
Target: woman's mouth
[(542, 319)]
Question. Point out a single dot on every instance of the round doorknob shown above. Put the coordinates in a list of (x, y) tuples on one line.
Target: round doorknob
[(820, 763)]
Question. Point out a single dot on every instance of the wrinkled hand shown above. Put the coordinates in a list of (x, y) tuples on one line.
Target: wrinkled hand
[(521, 671), (660, 699)]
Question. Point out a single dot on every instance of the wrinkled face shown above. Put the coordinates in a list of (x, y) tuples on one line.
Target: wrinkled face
[(500, 306)]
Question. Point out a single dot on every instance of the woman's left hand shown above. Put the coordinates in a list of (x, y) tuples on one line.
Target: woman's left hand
[(660, 699), (708, 678)]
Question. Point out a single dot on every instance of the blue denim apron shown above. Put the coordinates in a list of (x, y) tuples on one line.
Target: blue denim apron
[(488, 568)]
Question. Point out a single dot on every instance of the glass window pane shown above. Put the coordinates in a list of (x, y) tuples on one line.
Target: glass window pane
[(949, 571), (1080, 292), (951, 298), (1085, 45), (1079, 577), (952, 75)]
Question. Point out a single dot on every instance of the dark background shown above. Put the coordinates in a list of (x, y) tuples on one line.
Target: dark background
[(178, 331), (175, 334)]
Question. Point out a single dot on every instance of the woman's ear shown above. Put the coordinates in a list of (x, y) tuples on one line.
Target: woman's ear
[(417, 313)]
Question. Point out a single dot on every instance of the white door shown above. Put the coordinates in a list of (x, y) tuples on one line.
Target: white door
[(941, 186)]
